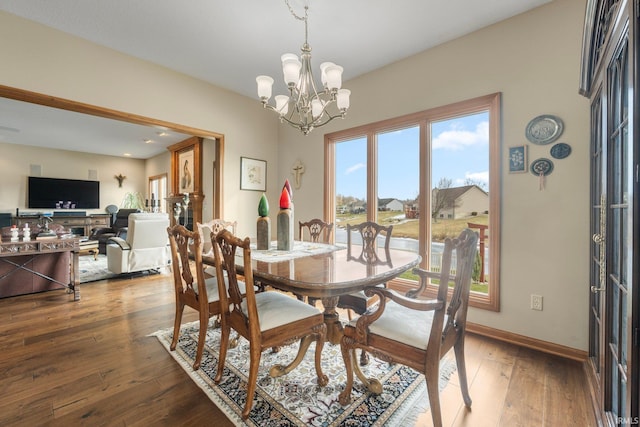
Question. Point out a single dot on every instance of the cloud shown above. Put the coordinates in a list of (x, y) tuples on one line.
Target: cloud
[(478, 176), (354, 168), (475, 177), (457, 138)]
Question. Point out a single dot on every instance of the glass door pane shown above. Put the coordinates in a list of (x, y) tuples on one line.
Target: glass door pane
[(398, 184), (460, 187), (618, 265), (350, 185), (598, 225)]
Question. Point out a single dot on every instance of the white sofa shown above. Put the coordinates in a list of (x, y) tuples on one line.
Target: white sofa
[(145, 248)]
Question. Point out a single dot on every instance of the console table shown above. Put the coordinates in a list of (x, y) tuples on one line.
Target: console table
[(39, 265), (76, 224)]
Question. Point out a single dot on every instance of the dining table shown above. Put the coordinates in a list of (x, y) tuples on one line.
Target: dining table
[(325, 271)]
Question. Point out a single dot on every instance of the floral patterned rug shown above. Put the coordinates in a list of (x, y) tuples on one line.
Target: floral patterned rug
[(295, 399)]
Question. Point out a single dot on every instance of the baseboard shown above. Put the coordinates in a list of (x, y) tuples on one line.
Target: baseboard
[(532, 343)]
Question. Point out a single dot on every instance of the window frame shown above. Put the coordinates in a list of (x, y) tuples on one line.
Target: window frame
[(159, 197), (423, 119)]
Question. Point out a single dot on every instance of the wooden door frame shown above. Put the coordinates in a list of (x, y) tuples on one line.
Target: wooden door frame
[(93, 110)]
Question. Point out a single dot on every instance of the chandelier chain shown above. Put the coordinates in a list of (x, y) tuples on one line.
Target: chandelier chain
[(299, 18)]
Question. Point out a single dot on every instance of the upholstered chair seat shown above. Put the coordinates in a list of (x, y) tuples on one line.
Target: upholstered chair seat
[(392, 324), (277, 309), (211, 284)]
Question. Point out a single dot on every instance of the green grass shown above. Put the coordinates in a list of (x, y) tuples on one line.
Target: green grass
[(440, 229)]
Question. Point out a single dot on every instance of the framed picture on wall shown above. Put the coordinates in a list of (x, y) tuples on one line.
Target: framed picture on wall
[(253, 174), (186, 179), (518, 159)]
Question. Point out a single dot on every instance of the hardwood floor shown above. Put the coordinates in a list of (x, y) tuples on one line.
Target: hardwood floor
[(92, 363)]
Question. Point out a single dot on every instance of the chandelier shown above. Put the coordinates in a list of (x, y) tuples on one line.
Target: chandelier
[(305, 108)]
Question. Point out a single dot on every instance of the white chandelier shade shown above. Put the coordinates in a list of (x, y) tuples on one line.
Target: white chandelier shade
[(305, 108)]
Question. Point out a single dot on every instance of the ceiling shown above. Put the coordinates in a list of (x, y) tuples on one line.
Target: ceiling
[(229, 43)]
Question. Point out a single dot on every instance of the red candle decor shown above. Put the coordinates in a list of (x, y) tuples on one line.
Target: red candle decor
[(285, 199), (285, 219), (288, 187)]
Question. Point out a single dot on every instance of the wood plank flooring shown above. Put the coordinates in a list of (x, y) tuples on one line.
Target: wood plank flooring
[(91, 362)]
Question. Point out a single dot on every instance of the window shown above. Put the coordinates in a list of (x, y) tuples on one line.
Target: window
[(430, 174), (157, 192)]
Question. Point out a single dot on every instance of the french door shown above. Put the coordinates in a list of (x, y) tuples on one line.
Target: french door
[(612, 334)]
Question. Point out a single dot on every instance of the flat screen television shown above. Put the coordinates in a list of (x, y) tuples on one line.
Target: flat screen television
[(63, 193)]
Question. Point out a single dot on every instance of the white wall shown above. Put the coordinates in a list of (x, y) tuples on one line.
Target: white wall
[(43, 60), (534, 60)]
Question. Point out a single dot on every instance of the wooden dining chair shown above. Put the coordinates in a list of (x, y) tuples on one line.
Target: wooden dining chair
[(417, 332), (364, 249), (208, 229), (265, 319), (317, 229), (191, 288), (214, 226)]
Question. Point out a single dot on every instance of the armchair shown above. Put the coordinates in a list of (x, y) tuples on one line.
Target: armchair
[(117, 229), (145, 248), (417, 332)]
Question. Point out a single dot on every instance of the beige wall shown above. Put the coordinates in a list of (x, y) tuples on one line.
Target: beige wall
[(534, 60), (16, 161), (47, 61)]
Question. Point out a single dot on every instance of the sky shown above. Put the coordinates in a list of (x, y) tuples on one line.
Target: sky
[(460, 150)]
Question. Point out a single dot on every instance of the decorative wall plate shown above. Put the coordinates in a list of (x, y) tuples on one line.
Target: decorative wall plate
[(541, 166), (560, 150), (544, 129)]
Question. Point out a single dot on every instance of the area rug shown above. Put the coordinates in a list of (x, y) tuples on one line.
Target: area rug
[(93, 270), (295, 399)]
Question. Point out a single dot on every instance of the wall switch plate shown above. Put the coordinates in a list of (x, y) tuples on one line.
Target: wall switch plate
[(536, 302)]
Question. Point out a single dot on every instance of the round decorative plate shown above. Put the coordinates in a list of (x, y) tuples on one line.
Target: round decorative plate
[(544, 129), (541, 166), (560, 150)]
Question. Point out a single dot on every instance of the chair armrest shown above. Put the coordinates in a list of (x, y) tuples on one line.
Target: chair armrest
[(120, 242), (122, 232), (414, 304), (363, 322), (424, 275), (97, 231)]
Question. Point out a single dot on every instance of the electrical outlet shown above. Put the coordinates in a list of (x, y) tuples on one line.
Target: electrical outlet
[(536, 302)]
